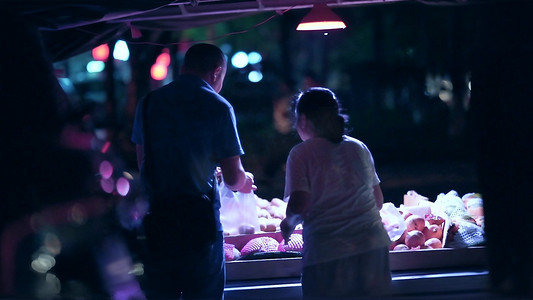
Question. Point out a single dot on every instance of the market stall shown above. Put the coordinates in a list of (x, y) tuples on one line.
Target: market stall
[(261, 260)]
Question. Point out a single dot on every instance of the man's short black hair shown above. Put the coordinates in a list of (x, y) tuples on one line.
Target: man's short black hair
[(203, 58)]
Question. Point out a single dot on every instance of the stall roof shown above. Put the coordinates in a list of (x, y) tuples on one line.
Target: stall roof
[(177, 14), (72, 26)]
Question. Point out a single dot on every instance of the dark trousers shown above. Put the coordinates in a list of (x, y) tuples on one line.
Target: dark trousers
[(196, 274)]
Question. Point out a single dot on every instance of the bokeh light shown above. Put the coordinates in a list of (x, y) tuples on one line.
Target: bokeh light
[(138, 269), (52, 244), (107, 185), (158, 71), (95, 66), (239, 60), (105, 169), (101, 52), (105, 147), (255, 76), (127, 175), (123, 186), (121, 51), (254, 58), (226, 48), (446, 96), (78, 214), (43, 263), (163, 58)]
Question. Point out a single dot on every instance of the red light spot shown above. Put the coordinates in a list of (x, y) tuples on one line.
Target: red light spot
[(158, 72), (105, 147), (101, 52), (163, 58)]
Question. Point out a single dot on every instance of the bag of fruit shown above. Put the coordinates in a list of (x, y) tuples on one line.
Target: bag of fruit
[(392, 221), (238, 212)]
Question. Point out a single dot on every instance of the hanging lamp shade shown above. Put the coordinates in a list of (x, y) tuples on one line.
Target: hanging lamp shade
[(320, 18)]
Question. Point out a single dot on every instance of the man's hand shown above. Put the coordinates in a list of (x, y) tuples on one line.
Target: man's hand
[(249, 185), (234, 175)]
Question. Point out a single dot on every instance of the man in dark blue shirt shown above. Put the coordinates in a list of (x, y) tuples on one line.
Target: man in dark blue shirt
[(183, 131)]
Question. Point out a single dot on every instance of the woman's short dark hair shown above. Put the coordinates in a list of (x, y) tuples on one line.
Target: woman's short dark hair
[(203, 58), (321, 107)]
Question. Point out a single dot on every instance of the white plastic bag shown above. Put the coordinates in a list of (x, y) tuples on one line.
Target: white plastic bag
[(238, 212), (392, 220), (450, 204)]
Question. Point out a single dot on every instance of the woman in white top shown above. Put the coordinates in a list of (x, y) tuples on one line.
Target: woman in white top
[(334, 191)]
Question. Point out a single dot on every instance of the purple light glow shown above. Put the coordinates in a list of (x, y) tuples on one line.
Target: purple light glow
[(105, 169), (108, 185), (123, 186)]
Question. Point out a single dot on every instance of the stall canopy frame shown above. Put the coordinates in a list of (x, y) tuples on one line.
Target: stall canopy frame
[(72, 27)]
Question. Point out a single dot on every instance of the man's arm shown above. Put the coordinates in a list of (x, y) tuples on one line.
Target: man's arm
[(234, 175)]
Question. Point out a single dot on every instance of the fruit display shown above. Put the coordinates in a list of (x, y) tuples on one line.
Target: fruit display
[(450, 221), (420, 233), (231, 252), (244, 246), (466, 216), (260, 244), (270, 213), (424, 234), (295, 243), (247, 241)]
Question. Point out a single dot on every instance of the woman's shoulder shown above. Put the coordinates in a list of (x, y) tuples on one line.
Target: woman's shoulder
[(354, 143), (299, 147), (302, 148), (351, 140)]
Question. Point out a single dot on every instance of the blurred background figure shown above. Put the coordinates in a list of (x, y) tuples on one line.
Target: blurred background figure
[(58, 230), (311, 79)]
